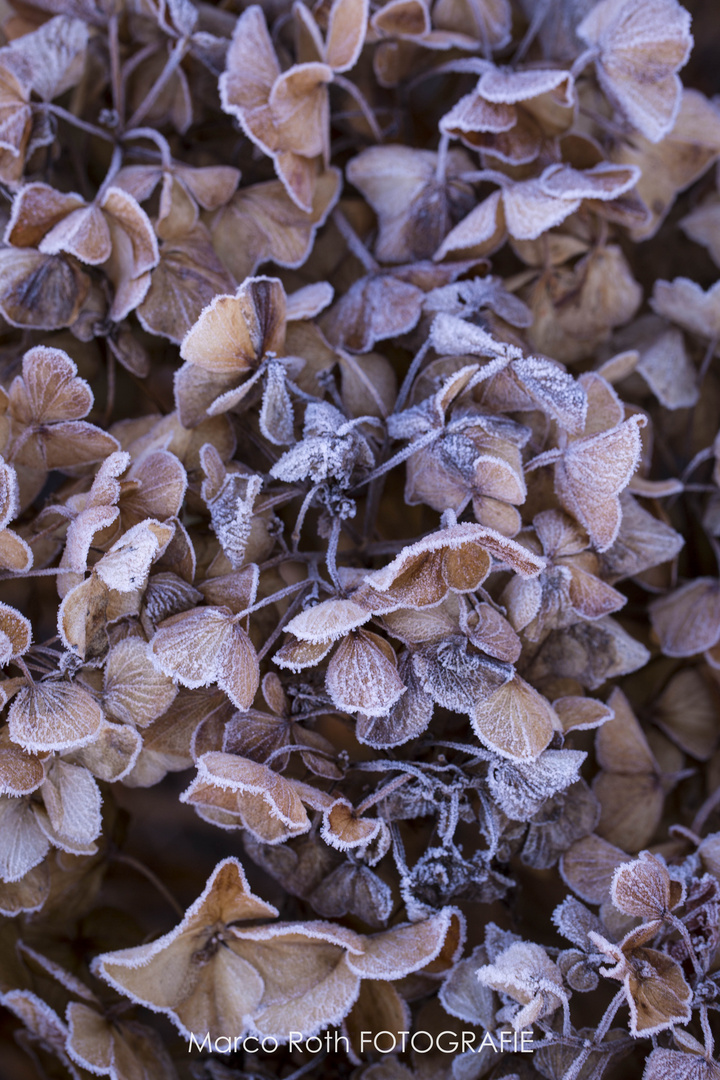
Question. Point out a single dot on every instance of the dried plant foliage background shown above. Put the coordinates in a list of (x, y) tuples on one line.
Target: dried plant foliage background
[(359, 538)]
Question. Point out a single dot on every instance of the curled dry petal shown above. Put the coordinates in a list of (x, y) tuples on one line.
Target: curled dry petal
[(210, 976), (249, 794), (234, 333), (15, 634), (207, 645)]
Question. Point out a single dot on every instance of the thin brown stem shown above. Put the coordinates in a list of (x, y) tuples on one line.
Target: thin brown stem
[(147, 873), (173, 62), (354, 243), (351, 89), (70, 118), (116, 82)]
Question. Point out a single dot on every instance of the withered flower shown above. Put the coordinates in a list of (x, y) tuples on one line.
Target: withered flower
[(655, 988), (286, 113), (211, 974), (342, 470), (234, 340)]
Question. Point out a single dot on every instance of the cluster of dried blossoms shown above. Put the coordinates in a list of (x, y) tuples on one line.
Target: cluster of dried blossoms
[(401, 550)]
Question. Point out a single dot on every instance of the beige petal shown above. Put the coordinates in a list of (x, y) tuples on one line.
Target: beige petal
[(687, 620), (44, 292), (84, 233), (64, 445), (238, 668), (373, 309), (188, 646), (516, 721), (20, 773), (658, 995), (642, 44), (112, 755), (234, 332), (22, 844), (344, 830), (251, 71), (214, 992), (296, 655), (72, 800), (262, 221), (644, 888), (593, 472), (588, 867), (258, 795), (620, 744), (632, 807), (36, 209), (362, 675), (54, 716), (687, 712), (327, 621), (90, 1040), (580, 713), (481, 232), (163, 482), (125, 213), (404, 949), (346, 33), (26, 895), (187, 278), (15, 633), (134, 690), (49, 388)]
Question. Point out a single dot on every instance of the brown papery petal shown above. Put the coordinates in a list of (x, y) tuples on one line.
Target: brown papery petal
[(688, 714), (687, 621), (580, 714), (346, 33), (660, 999), (620, 744), (343, 829), (296, 655), (327, 621), (238, 668), (84, 233), (644, 888), (593, 472), (44, 292), (642, 44), (588, 867), (20, 773), (15, 633), (262, 221), (134, 690), (517, 722), (362, 675), (241, 776), (234, 332), (188, 646), (49, 388), (631, 808), (299, 109), (54, 716)]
